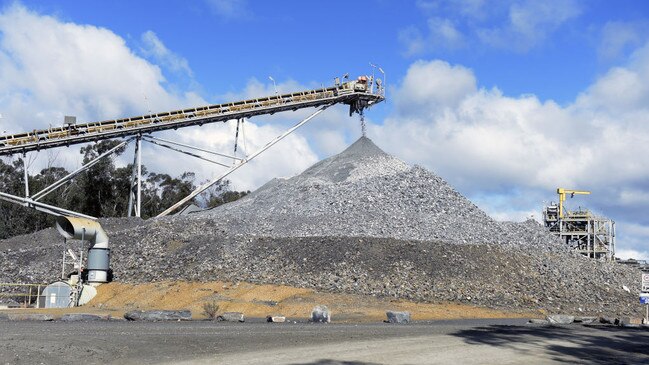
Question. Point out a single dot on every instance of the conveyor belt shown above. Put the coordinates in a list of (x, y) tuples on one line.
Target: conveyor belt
[(351, 93)]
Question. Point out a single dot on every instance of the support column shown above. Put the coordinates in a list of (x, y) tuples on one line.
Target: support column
[(135, 193), (26, 175), (139, 176)]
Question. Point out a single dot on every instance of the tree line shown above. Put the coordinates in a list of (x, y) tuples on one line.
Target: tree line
[(100, 191)]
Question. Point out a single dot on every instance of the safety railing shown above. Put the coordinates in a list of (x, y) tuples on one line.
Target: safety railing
[(21, 295)]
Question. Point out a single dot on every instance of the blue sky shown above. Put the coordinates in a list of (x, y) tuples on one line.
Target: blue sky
[(506, 100), (316, 40)]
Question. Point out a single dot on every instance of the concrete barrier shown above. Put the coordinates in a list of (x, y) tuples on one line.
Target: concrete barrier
[(159, 315)]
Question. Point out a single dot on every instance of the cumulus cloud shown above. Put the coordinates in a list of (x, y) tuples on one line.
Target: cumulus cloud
[(50, 68), (510, 153), (153, 47), (619, 37), (440, 33), (529, 23), (518, 25), (230, 9)]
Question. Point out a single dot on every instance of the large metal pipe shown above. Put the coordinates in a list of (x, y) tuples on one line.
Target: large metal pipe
[(98, 254)]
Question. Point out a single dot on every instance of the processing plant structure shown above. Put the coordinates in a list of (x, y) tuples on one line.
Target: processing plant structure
[(585, 232), (359, 94)]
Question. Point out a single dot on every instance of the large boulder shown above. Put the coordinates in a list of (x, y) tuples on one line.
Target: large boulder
[(30, 317), (398, 317), (321, 314), (231, 317), (159, 315), (82, 317), (276, 319), (560, 319)]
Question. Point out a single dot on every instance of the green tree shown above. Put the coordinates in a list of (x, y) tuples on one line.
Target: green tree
[(97, 184)]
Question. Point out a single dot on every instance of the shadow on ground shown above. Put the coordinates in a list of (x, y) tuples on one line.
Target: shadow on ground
[(336, 362), (601, 345)]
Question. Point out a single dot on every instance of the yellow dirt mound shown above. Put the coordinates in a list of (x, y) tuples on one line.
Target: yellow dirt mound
[(262, 300)]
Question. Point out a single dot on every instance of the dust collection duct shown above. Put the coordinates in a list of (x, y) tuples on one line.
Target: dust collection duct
[(98, 254)]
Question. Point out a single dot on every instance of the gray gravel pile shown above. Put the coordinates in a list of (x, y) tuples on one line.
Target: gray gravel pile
[(359, 222), (365, 192)]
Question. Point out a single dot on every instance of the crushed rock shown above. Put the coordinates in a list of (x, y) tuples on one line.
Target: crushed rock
[(359, 222)]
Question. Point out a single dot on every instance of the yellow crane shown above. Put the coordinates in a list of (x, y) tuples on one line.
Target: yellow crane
[(562, 197)]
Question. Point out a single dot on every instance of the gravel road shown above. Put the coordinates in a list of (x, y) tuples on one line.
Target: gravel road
[(440, 342)]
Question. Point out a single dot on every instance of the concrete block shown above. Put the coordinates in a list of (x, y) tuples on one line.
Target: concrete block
[(159, 315), (29, 317), (231, 317), (276, 319), (320, 314), (79, 317), (398, 317), (586, 320), (630, 320), (560, 319)]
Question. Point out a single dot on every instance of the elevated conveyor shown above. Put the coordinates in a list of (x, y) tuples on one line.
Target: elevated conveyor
[(358, 94)]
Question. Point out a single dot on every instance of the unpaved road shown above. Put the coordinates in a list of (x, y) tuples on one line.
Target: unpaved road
[(440, 342)]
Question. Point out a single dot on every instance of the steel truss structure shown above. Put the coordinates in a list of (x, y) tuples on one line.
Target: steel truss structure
[(586, 233), (358, 94)]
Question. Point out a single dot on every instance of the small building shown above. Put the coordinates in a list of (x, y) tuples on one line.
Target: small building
[(56, 295)]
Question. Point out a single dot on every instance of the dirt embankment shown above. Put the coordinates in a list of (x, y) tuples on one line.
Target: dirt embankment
[(259, 301)]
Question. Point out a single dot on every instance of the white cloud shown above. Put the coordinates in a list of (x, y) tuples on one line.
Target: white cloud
[(153, 47), (512, 25), (230, 9), (50, 68), (433, 86), (440, 33), (486, 143), (626, 254), (529, 23), (618, 37)]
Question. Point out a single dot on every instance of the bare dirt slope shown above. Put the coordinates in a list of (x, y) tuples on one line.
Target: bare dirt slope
[(259, 301)]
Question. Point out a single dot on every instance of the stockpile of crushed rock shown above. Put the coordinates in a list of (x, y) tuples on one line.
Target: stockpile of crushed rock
[(365, 192), (360, 222)]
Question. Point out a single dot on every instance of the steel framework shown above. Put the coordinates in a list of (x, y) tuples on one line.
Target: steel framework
[(358, 94), (586, 233)]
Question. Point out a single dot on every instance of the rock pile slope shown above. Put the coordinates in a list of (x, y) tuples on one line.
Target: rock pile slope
[(360, 222), (365, 192)]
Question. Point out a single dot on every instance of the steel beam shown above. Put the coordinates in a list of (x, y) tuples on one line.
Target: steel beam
[(150, 138), (186, 153), (70, 176), (27, 202)]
